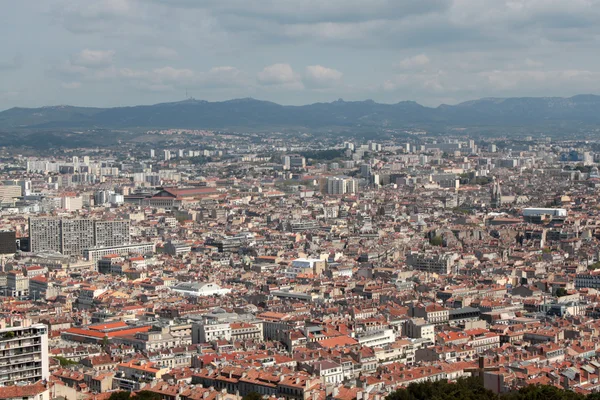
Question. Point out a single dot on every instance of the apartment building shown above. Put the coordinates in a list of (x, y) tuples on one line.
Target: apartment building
[(23, 352), (71, 237)]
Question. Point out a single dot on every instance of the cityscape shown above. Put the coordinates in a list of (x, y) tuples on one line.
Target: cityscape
[(188, 213)]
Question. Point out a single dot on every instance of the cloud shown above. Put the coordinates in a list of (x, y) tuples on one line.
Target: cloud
[(419, 60), (280, 75), (15, 62), (319, 76), (314, 11), (93, 58), (71, 85)]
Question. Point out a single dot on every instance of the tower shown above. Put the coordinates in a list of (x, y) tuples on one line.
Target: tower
[(496, 193)]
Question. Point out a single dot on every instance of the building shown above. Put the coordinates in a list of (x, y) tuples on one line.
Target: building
[(206, 332), (337, 185), (71, 237), (111, 233), (8, 193), (293, 161), (200, 289), (442, 264), (37, 391), (8, 242), (96, 253), (18, 284), (305, 266), (23, 352)]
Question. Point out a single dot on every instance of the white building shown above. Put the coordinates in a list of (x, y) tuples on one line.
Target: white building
[(23, 352), (200, 289)]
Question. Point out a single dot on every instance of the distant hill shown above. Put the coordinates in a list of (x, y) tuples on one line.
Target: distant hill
[(257, 114)]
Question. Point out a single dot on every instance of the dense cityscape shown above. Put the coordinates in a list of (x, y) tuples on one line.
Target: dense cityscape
[(297, 269), (300, 200)]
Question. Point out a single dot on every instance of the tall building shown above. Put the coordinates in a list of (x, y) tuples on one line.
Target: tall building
[(167, 155), (152, 153), (294, 161), (496, 194), (8, 242), (341, 185), (76, 235), (45, 234), (71, 237), (9, 192), (23, 352), (111, 233)]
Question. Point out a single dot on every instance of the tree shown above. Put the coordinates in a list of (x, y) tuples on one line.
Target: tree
[(465, 388), (436, 241), (65, 362), (120, 396), (147, 395), (560, 292), (252, 396)]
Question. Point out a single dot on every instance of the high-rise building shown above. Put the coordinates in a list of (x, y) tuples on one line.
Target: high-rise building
[(341, 185), (71, 237), (23, 351), (8, 242), (167, 155), (152, 153), (294, 161), (111, 233), (45, 234)]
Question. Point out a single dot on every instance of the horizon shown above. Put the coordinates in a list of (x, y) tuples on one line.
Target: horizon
[(301, 105)]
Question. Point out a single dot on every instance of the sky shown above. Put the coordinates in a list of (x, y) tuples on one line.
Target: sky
[(127, 52)]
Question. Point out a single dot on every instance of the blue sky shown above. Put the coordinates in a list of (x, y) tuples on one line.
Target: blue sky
[(127, 52)]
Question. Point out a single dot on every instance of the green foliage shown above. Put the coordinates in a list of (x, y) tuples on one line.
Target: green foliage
[(65, 362), (463, 389), (147, 395), (539, 392), (436, 241), (141, 395), (120, 396), (252, 396), (560, 292), (594, 266), (472, 389)]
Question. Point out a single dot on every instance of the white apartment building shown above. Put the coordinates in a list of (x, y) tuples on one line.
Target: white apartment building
[(23, 352)]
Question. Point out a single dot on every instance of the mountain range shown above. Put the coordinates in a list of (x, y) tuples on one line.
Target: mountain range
[(581, 110)]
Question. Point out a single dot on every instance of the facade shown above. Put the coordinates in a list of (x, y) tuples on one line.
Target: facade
[(200, 289), (23, 353), (8, 242), (441, 264), (71, 237), (96, 253), (111, 233), (337, 185)]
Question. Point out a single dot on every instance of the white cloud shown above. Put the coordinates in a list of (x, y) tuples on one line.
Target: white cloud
[(420, 60), (317, 75), (280, 75), (93, 58)]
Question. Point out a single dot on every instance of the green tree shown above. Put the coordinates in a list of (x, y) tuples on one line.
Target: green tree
[(436, 241), (120, 396), (465, 388), (147, 395), (542, 392), (252, 396), (65, 362), (560, 292)]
